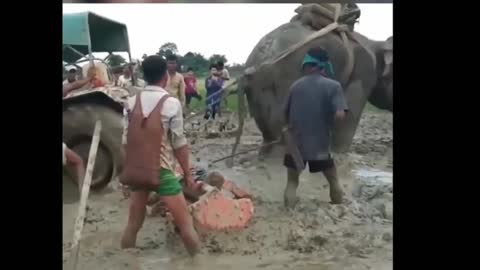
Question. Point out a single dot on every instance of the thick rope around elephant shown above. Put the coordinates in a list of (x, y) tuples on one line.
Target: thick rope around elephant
[(334, 26)]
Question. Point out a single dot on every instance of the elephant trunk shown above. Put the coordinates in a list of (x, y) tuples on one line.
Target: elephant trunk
[(382, 94), (382, 97)]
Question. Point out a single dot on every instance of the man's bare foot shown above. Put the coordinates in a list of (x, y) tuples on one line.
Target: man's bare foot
[(128, 241), (290, 197), (336, 194)]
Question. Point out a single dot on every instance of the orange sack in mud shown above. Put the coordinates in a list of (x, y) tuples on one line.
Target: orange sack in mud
[(221, 205)]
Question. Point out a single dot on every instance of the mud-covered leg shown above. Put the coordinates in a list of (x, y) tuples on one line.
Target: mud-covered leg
[(336, 192), (136, 216), (265, 150), (177, 206), (290, 195)]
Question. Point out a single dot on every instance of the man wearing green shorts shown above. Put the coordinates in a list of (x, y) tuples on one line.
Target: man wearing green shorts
[(173, 147)]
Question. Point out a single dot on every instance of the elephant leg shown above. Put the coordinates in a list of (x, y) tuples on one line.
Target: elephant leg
[(265, 150), (344, 131), (262, 116), (268, 143)]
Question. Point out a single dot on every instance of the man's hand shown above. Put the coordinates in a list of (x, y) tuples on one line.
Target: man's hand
[(340, 115), (189, 182)]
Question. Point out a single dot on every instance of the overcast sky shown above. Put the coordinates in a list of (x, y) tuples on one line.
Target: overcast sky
[(229, 29)]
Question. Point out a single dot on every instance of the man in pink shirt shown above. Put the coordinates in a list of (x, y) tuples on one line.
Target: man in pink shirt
[(191, 86)]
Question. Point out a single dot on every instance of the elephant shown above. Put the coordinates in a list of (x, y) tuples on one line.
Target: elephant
[(367, 79)]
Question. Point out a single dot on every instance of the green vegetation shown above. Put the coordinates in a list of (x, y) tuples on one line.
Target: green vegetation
[(116, 60), (198, 62), (369, 108)]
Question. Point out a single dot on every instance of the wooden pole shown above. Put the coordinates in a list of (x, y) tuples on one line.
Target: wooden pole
[(84, 196)]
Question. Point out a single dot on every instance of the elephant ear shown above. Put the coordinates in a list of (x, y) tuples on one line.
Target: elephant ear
[(388, 56)]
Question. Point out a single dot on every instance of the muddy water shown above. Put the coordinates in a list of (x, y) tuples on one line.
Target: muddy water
[(314, 235)]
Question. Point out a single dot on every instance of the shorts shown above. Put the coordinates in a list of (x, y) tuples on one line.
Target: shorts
[(313, 165), (169, 184)]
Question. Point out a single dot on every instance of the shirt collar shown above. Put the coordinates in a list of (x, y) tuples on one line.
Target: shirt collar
[(154, 88)]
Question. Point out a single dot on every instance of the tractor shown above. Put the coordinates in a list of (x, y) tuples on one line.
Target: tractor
[(84, 34)]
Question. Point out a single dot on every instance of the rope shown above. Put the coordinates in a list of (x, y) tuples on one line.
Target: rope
[(334, 26)]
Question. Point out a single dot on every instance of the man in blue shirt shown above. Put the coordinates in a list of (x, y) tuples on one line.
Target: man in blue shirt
[(213, 85), (314, 104)]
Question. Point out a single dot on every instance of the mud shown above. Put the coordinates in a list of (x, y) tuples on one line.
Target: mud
[(314, 235)]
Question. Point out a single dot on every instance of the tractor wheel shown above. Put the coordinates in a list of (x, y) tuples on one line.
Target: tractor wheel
[(78, 125)]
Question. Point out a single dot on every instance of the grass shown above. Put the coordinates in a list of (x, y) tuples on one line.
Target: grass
[(197, 105), (369, 108)]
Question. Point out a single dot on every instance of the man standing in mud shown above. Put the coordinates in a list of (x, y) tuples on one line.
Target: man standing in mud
[(176, 82), (141, 130), (314, 104)]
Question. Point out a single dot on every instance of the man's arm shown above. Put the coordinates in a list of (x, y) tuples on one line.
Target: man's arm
[(339, 103), (125, 189), (125, 126), (181, 95), (74, 86), (286, 106), (180, 145), (208, 82), (195, 84), (225, 74)]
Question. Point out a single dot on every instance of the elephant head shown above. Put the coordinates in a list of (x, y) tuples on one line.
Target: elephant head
[(382, 94)]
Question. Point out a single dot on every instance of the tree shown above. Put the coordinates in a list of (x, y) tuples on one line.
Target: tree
[(217, 57), (196, 61), (167, 49), (116, 60), (144, 56)]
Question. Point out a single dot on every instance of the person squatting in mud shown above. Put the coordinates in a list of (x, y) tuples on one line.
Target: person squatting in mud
[(154, 118), (315, 102)]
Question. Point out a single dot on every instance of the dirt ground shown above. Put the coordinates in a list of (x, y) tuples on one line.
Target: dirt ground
[(315, 235)]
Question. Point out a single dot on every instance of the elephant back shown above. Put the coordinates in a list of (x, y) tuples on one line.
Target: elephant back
[(277, 41)]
